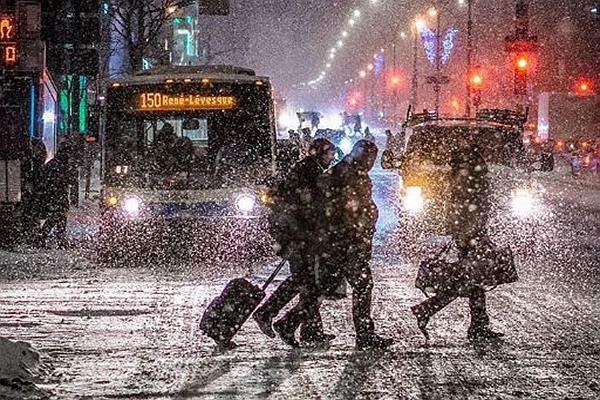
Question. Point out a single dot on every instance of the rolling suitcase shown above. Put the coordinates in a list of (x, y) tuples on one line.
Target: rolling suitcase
[(226, 314)]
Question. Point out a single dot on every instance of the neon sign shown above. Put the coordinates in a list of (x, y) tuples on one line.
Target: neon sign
[(7, 28), (10, 54), (153, 101)]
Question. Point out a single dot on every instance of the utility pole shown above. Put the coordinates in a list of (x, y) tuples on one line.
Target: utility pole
[(437, 80), (415, 79), (394, 83), (417, 27), (438, 64), (469, 57)]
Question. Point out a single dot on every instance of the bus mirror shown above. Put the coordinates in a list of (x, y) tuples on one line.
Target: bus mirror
[(191, 124)]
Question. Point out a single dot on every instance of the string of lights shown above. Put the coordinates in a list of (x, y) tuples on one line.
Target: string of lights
[(378, 57), (344, 35)]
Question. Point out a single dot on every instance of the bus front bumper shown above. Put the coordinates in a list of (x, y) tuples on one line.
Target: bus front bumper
[(181, 237)]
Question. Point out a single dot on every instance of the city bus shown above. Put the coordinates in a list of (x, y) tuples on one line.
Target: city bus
[(187, 153)]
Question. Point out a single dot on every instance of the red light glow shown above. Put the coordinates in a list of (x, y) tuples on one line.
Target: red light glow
[(583, 87), (522, 62)]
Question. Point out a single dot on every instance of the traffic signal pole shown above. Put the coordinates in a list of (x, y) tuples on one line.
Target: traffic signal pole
[(469, 57), (521, 45), (438, 65)]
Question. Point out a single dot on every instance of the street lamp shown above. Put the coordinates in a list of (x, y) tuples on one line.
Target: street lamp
[(438, 52), (419, 25)]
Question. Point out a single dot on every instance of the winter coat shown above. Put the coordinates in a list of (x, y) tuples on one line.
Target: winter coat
[(56, 186), (469, 195), (297, 206), (352, 213)]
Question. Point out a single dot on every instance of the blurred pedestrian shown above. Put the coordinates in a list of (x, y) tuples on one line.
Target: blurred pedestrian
[(73, 145), (33, 199), (352, 215), (470, 192), (593, 164), (89, 157), (297, 208), (575, 163), (56, 198), (369, 135)]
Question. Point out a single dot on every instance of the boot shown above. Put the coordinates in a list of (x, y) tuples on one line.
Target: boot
[(286, 333), (264, 322), (317, 338), (476, 334), (373, 342), (422, 320)]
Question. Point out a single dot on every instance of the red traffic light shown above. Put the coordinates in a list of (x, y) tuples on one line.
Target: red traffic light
[(583, 87), (476, 78), (522, 62)]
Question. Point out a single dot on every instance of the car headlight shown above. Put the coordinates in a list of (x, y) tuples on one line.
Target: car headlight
[(265, 198), (245, 202), (132, 206), (413, 199), (522, 202)]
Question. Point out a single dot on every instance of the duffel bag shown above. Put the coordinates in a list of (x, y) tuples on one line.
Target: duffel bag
[(438, 273), (489, 266)]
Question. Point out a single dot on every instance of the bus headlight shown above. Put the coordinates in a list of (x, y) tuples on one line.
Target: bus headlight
[(245, 202), (522, 202), (413, 199), (111, 200), (132, 206)]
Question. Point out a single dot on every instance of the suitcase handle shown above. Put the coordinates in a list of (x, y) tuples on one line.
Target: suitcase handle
[(274, 274)]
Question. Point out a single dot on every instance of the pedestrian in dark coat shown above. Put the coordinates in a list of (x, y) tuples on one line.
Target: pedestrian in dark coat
[(351, 227), (297, 208), (470, 192), (56, 198), (33, 164)]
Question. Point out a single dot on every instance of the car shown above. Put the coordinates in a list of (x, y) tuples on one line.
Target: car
[(424, 168)]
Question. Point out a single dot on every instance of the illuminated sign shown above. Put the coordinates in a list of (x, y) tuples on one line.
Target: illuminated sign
[(7, 28), (153, 101), (10, 54)]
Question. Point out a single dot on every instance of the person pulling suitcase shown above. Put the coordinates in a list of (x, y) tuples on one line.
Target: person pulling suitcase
[(298, 204)]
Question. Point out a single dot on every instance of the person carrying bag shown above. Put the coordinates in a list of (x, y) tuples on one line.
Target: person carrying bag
[(481, 266)]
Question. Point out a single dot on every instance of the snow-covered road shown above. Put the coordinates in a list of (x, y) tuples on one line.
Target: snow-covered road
[(133, 333)]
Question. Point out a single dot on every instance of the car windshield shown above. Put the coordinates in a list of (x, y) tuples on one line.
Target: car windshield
[(498, 145)]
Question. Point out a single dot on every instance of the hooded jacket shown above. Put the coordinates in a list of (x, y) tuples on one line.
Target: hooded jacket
[(352, 211)]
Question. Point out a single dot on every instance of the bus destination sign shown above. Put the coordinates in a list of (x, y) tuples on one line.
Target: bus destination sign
[(153, 101)]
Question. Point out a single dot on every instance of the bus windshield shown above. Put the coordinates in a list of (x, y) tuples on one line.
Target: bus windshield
[(210, 138)]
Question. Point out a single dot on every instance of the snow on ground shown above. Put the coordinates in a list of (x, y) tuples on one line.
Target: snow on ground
[(20, 369), (133, 333)]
